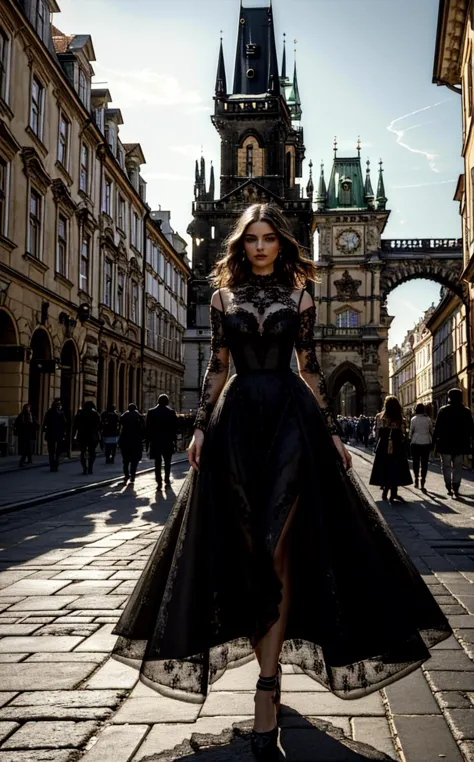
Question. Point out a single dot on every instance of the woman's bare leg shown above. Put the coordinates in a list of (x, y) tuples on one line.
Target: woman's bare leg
[(269, 648)]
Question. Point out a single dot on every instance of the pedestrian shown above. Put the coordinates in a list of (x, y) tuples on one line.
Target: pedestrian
[(421, 438), (453, 438), (110, 431), (161, 431), (132, 430), (391, 469), (25, 428), (271, 499), (86, 429), (54, 431), (364, 430)]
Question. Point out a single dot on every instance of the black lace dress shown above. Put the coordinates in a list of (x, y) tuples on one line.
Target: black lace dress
[(360, 615)]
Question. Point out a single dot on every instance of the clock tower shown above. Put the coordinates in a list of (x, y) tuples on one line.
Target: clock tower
[(352, 321)]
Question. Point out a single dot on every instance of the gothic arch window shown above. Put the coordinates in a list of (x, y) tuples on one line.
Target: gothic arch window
[(288, 169), (250, 157), (347, 318), (250, 160)]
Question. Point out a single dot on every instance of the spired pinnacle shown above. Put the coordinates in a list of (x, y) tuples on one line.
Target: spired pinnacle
[(368, 190), (381, 197), (221, 79), (310, 186), (322, 194)]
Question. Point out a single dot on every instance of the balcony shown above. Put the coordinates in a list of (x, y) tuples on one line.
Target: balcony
[(366, 333)]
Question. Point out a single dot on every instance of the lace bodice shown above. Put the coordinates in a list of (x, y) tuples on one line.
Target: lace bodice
[(259, 323)]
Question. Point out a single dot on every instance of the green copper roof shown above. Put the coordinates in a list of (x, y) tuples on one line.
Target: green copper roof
[(346, 168)]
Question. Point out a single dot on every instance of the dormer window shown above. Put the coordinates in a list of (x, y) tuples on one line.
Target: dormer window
[(99, 118), (41, 20), (110, 137), (83, 88)]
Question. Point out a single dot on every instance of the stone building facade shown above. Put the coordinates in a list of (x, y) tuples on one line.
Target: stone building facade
[(73, 228)]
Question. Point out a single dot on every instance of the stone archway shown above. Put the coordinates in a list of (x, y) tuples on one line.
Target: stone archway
[(446, 272), (347, 389), (11, 360), (41, 369)]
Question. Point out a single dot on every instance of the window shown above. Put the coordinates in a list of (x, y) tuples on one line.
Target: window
[(84, 178), (37, 107), (84, 266), (108, 197), (83, 90), (135, 230), (135, 303), (110, 137), (108, 283), (347, 319), (99, 118), (42, 19), (250, 160), (34, 230), (151, 329), (122, 213), (61, 252), (121, 156), (63, 147), (3, 196), (121, 294), (4, 51)]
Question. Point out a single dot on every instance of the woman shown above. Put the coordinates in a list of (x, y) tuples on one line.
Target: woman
[(25, 428), (272, 546), (391, 469), (110, 430), (132, 432), (421, 437), (87, 429)]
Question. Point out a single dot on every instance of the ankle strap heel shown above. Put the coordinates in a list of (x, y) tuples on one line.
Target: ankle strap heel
[(267, 683)]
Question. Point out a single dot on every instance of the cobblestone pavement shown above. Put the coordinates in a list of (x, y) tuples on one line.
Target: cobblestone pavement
[(66, 570)]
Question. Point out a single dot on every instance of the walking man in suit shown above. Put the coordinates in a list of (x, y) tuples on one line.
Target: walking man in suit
[(161, 432)]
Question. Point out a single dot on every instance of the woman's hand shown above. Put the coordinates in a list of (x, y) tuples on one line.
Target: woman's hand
[(346, 457), (194, 449)]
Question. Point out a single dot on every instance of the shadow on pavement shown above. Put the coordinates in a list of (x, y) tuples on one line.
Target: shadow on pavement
[(301, 739)]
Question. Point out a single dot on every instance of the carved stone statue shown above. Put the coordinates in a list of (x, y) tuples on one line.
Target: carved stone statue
[(347, 287)]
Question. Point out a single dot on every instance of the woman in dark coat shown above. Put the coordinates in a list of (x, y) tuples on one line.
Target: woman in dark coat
[(110, 430), (132, 432), (25, 428), (87, 428), (391, 469)]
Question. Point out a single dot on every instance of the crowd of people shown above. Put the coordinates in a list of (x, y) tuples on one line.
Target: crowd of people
[(131, 431)]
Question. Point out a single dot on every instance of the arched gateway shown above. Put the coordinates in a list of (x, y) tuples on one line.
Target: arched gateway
[(358, 270)]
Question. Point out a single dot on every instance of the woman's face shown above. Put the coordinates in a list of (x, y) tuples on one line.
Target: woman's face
[(262, 246)]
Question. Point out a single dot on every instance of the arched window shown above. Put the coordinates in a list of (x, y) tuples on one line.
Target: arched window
[(347, 319), (250, 160)]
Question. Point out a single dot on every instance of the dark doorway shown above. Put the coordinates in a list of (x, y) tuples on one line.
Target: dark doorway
[(121, 382), (111, 397), (40, 374), (100, 384), (11, 361), (131, 384), (347, 390)]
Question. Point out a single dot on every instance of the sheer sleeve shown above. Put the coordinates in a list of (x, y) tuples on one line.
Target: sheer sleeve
[(309, 367), (216, 372)]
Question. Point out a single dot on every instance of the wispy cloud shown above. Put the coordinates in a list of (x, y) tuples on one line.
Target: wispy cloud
[(144, 86), (425, 185), (400, 133)]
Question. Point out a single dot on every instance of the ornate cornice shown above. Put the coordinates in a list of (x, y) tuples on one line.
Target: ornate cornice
[(62, 196), (34, 169)]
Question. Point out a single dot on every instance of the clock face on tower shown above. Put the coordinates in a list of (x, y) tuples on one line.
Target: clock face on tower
[(348, 241)]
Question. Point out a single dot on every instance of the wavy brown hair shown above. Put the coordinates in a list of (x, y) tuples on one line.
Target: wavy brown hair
[(392, 410), (234, 268)]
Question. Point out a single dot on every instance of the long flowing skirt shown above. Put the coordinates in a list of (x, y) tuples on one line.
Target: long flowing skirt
[(360, 614)]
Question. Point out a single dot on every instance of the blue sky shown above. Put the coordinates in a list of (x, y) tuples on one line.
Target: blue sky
[(365, 68)]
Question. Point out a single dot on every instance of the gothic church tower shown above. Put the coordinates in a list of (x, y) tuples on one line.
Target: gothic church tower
[(262, 153)]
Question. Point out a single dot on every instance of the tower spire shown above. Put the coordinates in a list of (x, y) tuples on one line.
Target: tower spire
[(221, 79), (310, 186), (256, 62), (381, 197), (212, 184), (322, 194), (298, 111), (368, 190), (283, 65)]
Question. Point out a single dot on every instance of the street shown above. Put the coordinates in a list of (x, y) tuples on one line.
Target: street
[(66, 570)]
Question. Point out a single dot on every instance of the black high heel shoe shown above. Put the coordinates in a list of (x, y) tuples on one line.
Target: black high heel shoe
[(265, 745)]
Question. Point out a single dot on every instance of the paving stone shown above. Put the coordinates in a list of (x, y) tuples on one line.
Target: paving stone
[(84, 574), (467, 748), (38, 619), (5, 697), (117, 743), (166, 736), (39, 755), (90, 587), (451, 681), (27, 675), (43, 603), (411, 695), (64, 658), (51, 735), (92, 602), (68, 630), (8, 578), (375, 731), (450, 644), (453, 700), (453, 610), (156, 709), (461, 722), (126, 574), (35, 587), (102, 640), (107, 620), (468, 602), (465, 621), (306, 703), (94, 613), (455, 661), (53, 713), (78, 699), (11, 658), (40, 643), (6, 729), (18, 629), (425, 739), (114, 674)]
